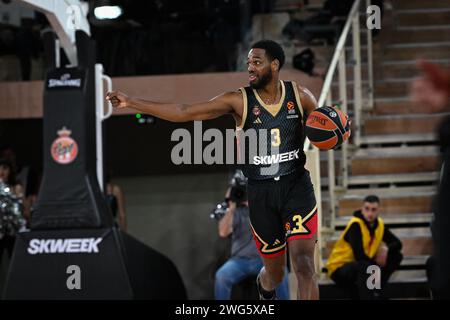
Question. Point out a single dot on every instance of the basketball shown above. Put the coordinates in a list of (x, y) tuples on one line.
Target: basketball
[(327, 128)]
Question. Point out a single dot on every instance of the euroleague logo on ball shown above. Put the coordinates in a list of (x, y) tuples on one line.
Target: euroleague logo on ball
[(64, 149), (313, 118)]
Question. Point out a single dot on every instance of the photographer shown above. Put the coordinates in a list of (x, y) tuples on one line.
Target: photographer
[(245, 260)]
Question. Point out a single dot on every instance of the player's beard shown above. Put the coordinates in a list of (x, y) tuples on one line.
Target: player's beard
[(263, 81)]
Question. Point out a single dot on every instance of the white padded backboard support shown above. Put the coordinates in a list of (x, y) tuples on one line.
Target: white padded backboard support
[(65, 17)]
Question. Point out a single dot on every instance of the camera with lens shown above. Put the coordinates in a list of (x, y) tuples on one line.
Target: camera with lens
[(219, 211), (238, 194), (238, 185)]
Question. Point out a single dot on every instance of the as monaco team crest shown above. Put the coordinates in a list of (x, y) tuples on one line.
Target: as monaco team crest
[(64, 149)]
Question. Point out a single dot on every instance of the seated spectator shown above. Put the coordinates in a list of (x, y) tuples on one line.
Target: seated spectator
[(7, 176), (365, 241)]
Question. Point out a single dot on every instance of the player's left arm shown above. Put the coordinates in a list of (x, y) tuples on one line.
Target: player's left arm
[(308, 101)]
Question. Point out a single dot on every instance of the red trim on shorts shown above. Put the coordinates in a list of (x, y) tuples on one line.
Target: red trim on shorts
[(273, 255), (259, 245), (301, 236)]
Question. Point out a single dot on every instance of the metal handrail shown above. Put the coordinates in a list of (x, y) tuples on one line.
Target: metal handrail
[(338, 63), (334, 61)]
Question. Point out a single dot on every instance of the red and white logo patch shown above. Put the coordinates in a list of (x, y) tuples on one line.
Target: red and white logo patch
[(64, 149)]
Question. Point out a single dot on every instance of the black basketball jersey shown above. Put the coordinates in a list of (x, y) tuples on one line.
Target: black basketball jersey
[(270, 137)]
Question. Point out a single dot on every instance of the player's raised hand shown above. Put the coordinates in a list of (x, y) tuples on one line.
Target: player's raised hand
[(432, 90), (118, 99)]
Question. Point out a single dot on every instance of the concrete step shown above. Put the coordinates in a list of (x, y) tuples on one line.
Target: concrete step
[(393, 52), (395, 152), (390, 88), (398, 105), (396, 160), (403, 69), (403, 124), (394, 200), (422, 17), (415, 241), (386, 70), (419, 4), (414, 261), (407, 262), (389, 179), (393, 87), (411, 51), (407, 288), (414, 138), (393, 178), (394, 220), (400, 275), (398, 164), (391, 106), (390, 192), (433, 33)]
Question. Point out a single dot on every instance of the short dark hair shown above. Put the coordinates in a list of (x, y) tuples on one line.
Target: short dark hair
[(12, 175), (372, 199), (273, 50)]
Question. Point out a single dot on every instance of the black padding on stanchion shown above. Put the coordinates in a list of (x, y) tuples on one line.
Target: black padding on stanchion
[(152, 275), (39, 265), (70, 196), (113, 265), (49, 39)]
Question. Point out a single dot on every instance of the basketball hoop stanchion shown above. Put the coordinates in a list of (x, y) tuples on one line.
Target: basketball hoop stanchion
[(74, 249), (101, 116)]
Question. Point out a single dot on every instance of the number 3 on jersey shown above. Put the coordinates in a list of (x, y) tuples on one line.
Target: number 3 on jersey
[(275, 135)]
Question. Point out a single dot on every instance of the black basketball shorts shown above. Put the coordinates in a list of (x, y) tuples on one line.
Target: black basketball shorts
[(282, 210)]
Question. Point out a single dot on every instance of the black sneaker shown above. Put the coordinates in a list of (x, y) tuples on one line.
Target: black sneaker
[(263, 294)]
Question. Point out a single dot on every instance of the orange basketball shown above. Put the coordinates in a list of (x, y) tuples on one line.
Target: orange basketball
[(327, 128)]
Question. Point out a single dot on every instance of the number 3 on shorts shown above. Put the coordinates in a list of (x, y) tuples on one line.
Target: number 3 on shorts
[(299, 228)]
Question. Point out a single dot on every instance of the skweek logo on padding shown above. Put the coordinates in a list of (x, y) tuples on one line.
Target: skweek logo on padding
[(74, 245)]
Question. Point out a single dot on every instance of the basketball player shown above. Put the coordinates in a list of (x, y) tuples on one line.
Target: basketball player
[(283, 210)]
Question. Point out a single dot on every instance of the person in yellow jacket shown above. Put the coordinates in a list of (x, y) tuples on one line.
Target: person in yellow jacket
[(365, 241)]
